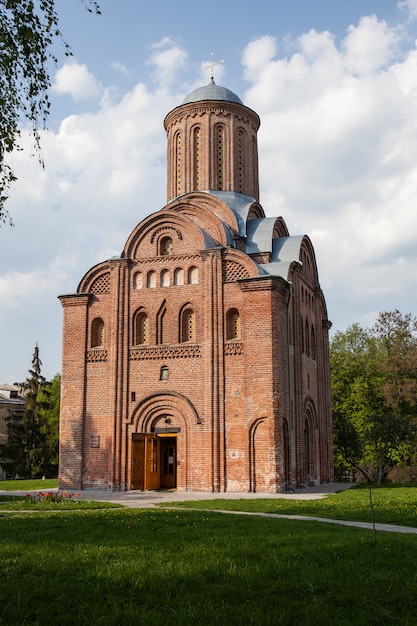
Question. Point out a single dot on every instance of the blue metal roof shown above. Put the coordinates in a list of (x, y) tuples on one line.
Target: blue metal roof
[(212, 92)]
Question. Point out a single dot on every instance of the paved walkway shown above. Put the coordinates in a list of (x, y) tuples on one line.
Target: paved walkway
[(151, 499)]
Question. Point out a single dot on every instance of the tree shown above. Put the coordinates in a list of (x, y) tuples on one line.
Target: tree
[(374, 387), (28, 30), (32, 448)]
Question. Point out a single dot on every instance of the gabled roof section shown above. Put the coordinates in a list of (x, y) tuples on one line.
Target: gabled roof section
[(261, 232), (289, 250), (243, 207)]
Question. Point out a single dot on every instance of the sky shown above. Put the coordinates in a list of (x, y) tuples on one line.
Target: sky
[(335, 85)]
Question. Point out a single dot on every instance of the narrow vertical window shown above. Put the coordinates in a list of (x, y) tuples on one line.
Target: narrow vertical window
[(178, 163), (313, 343), (160, 325), (188, 326), (240, 152), (233, 324), (197, 157), (97, 333), (141, 329), (219, 157)]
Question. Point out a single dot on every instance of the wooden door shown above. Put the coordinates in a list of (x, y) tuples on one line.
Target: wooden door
[(145, 461), (168, 472)]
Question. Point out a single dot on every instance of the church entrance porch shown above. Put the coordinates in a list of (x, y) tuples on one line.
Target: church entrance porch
[(154, 461)]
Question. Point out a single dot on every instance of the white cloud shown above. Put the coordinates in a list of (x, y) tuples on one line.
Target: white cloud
[(369, 46), (74, 79), (120, 68), (410, 6), (338, 155), (338, 160), (167, 60)]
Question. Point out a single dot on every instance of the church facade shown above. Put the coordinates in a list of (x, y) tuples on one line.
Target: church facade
[(198, 359)]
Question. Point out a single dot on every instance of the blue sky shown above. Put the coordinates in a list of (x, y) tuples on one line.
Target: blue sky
[(335, 85)]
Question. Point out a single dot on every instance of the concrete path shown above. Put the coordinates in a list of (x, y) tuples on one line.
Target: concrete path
[(151, 499)]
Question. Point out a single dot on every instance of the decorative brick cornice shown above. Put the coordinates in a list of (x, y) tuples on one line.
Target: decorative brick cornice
[(181, 351), (233, 348), (75, 299), (264, 283), (96, 355)]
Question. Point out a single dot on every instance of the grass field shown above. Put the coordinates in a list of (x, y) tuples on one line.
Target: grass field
[(393, 504), (28, 485), (157, 566)]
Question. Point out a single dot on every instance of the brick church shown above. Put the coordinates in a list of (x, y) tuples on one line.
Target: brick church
[(198, 358)]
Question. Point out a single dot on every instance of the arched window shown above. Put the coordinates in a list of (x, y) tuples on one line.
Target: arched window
[(165, 281), (179, 276), (187, 326), (160, 324), (178, 163), (197, 157), (240, 153), (219, 157), (138, 280), (151, 280), (193, 276), (165, 246), (233, 324), (164, 373), (141, 329), (307, 339), (97, 333), (313, 343)]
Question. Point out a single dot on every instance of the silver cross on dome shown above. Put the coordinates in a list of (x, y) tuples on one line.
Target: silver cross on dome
[(211, 65)]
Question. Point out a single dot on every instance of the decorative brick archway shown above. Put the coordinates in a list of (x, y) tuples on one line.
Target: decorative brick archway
[(166, 415)]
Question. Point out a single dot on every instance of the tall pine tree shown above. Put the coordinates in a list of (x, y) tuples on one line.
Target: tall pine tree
[(31, 451)]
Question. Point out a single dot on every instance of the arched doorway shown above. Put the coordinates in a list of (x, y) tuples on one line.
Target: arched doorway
[(259, 459), (154, 461), (158, 442)]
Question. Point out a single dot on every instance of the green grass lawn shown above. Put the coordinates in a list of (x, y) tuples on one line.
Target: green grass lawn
[(28, 485), (159, 566), (393, 504), (151, 567)]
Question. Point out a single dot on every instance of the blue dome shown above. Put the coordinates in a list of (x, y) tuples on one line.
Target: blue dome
[(212, 92)]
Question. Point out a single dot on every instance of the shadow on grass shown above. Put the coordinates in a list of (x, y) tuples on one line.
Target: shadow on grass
[(170, 567)]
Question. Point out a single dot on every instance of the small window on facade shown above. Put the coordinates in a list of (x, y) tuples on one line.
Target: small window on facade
[(165, 281), (193, 276), (141, 329), (138, 280), (97, 333), (163, 373), (233, 324), (179, 276), (188, 326), (151, 280), (165, 247)]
